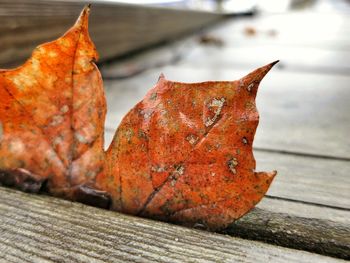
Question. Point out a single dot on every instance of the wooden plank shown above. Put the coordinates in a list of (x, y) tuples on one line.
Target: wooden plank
[(305, 210), (324, 237), (42, 228), (115, 28), (299, 59), (307, 179), (303, 113)]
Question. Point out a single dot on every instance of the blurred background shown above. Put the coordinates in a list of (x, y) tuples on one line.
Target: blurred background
[(304, 102)]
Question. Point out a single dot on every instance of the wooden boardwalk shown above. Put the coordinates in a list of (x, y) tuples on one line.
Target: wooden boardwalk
[(303, 133), (116, 29)]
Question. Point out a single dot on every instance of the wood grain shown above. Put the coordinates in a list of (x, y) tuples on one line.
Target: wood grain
[(308, 179), (305, 210), (115, 28), (45, 229)]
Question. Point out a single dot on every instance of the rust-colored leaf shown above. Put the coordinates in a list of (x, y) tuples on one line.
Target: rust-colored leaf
[(52, 112), (183, 154)]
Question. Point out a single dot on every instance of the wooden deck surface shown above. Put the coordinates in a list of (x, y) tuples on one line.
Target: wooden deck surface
[(303, 134), (304, 103), (43, 229), (116, 29)]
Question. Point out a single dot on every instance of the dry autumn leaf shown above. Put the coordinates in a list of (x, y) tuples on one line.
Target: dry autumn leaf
[(183, 154), (52, 112)]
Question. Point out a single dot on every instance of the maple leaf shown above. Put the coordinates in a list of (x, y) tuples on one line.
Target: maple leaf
[(183, 154), (52, 112)]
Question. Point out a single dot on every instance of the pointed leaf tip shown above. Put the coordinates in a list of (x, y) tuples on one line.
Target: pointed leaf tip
[(274, 63), (161, 77), (84, 16), (265, 69), (253, 78)]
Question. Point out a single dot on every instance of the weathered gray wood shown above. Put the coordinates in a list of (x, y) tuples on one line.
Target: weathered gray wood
[(115, 28), (314, 180), (41, 228), (304, 113), (306, 210)]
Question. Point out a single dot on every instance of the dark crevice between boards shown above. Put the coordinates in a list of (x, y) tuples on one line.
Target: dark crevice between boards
[(306, 202), (302, 154), (320, 236)]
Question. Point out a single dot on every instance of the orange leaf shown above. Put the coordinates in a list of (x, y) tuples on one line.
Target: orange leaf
[(184, 153), (52, 112)]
